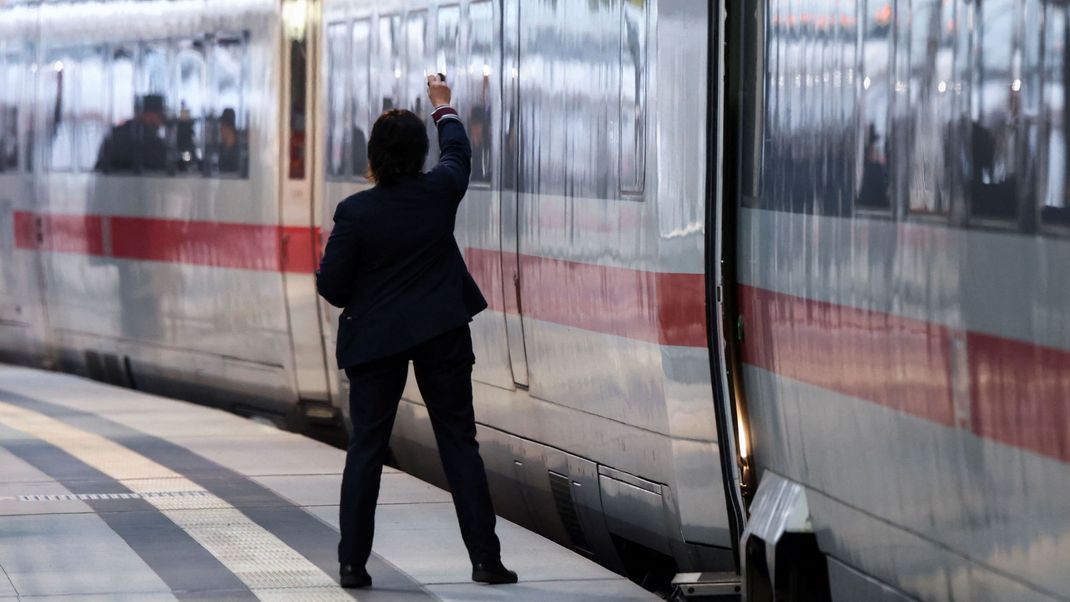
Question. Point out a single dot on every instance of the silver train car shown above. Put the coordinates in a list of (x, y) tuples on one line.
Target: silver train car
[(774, 285)]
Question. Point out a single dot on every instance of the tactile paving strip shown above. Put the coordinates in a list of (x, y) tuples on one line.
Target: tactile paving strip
[(85, 497), (267, 566)]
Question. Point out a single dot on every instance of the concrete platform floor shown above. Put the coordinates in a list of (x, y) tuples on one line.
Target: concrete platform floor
[(112, 494)]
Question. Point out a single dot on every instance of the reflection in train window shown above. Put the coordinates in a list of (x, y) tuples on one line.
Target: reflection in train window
[(337, 60), (190, 86), (924, 117), (994, 113), (59, 90), (389, 60), (117, 152), (633, 97), (447, 52), (91, 107), (362, 80), (416, 67), (227, 134), (1056, 76), (876, 86), (10, 89), (477, 93), (151, 110)]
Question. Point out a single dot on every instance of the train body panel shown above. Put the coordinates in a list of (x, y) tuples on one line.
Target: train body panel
[(904, 338)]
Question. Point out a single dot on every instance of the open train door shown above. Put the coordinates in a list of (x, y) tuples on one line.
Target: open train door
[(299, 244)]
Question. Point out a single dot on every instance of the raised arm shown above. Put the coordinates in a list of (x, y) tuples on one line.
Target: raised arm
[(455, 152)]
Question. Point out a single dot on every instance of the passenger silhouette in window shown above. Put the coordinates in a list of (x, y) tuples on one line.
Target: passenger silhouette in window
[(135, 145), (874, 192), (189, 156), (229, 149)]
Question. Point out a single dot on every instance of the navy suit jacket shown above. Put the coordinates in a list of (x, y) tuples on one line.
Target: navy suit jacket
[(392, 261)]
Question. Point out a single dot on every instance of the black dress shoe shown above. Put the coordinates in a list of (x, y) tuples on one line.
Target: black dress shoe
[(352, 578), (493, 573)]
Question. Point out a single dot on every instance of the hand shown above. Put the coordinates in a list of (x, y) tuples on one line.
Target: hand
[(438, 91)]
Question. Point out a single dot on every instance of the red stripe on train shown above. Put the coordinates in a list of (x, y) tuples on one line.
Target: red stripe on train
[(657, 307), (216, 244), (1018, 390)]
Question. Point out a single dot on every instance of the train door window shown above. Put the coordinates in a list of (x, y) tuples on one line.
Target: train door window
[(416, 63), (389, 61), (191, 71), (91, 125), (59, 91), (1055, 210), (337, 61), (447, 40), (633, 97), (752, 99), (10, 89), (447, 49), (875, 90), (227, 132), (362, 80), (478, 94), (116, 153), (149, 148), (994, 111)]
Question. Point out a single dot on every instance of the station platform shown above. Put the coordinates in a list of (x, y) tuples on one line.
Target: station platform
[(112, 494)]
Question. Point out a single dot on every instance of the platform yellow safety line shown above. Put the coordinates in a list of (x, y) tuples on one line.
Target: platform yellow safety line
[(271, 569)]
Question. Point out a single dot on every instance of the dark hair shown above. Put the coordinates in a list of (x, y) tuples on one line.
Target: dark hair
[(397, 148)]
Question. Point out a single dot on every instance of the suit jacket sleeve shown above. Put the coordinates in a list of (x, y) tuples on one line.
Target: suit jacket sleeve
[(334, 278), (455, 159)]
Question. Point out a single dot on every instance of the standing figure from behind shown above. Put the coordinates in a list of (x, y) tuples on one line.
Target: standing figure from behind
[(394, 266)]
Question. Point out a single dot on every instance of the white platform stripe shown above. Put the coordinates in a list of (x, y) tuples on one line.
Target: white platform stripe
[(266, 565)]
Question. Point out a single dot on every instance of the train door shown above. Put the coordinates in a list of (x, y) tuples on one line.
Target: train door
[(299, 239), (510, 214)]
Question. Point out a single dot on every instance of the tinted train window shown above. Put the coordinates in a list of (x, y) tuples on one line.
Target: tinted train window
[(416, 61), (118, 151), (122, 85), (227, 134), (1055, 210), (151, 108), (447, 54), (633, 97), (877, 86), (337, 60), (362, 81), (389, 61), (91, 107), (59, 90), (187, 128), (924, 109), (478, 91), (10, 89), (994, 112)]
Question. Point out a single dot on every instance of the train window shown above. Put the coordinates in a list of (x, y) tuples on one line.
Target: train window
[(924, 109), (10, 88), (633, 97), (753, 102), (59, 90), (876, 88), (447, 50), (1055, 209), (191, 71), (478, 96), (447, 39), (362, 81), (227, 136), (416, 63), (389, 60), (337, 60), (994, 111), (117, 151), (148, 150), (91, 122)]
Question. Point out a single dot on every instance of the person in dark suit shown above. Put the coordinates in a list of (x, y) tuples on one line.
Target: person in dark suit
[(394, 266)]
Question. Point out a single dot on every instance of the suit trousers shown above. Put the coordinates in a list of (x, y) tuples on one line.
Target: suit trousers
[(443, 367)]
